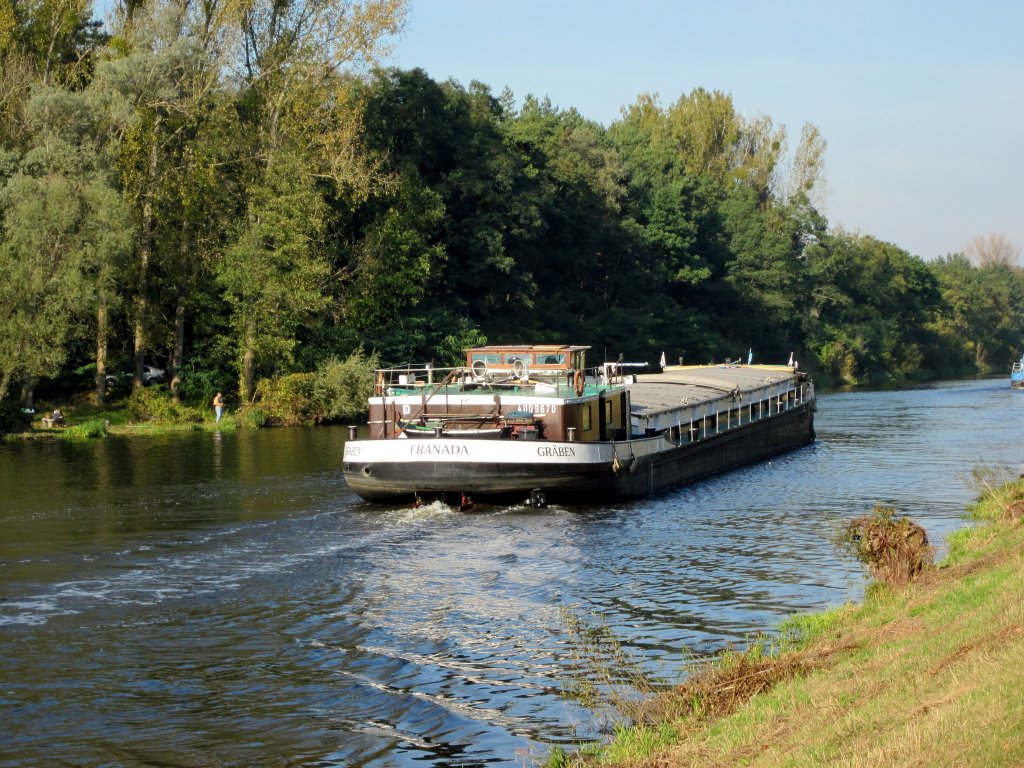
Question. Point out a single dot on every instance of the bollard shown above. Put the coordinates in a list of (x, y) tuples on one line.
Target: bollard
[(352, 432), (570, 434)]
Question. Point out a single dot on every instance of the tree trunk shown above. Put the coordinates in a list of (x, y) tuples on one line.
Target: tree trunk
[(28, 394), (247, 373), (145, 256), (178, 355), (101, 351)]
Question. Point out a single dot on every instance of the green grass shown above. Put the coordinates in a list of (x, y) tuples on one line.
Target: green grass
[(87, 421), (925, 675), (85, 430)]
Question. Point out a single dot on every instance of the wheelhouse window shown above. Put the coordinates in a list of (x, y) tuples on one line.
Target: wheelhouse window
[(491, 358), (551, 358)]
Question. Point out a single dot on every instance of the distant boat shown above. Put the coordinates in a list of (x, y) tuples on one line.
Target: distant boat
[(1017, 375), (533, 423)]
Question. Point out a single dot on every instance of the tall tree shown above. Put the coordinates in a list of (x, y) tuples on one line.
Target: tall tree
[(993, 249), (299, 119), (64, 231), (272, 274)]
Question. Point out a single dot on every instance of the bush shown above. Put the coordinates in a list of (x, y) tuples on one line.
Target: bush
[(336, 391), (12, 419), (200, 386), (87, 429), (893, 547), (341, 387), (288, 400), (249, 417), (1001, 494), (155, 404)]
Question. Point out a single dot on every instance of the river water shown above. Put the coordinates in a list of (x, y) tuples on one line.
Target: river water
[(223, 599)]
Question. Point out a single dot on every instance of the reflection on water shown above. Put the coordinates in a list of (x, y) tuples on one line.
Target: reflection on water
[(224, 599)]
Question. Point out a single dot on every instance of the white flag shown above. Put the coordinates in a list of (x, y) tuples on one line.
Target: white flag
[(663, 363)]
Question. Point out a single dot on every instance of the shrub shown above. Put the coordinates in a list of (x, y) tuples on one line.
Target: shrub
[(288, 400), (893, 547), (336, 391), (86, 430), (1001, 495), (155, 404), (340, 387), (249, 417), (200, 386), (12, 419)]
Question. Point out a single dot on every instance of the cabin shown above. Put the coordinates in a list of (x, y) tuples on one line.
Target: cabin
[(518, 392)]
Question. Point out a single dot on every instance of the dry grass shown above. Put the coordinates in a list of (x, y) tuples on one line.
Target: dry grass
[(926, 674), (894, 549)]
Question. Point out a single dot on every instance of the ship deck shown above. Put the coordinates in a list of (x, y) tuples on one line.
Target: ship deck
[(678, 386)]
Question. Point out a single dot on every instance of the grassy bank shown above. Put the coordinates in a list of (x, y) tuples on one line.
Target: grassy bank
[(926, 674), (85, 422)]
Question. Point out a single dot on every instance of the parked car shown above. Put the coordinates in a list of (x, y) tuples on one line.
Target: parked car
[(150, 375)]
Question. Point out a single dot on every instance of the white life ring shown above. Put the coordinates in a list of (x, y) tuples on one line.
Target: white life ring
[(479, 369)]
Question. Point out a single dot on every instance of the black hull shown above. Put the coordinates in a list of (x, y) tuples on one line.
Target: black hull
[(723, 452), (577, 482)]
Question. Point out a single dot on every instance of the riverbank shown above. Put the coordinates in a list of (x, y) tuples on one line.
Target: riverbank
[(94, 426), (929, 674)]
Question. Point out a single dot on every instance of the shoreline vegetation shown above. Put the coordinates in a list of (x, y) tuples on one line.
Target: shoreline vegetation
[(927, 670), (335, 394), (233, 218)]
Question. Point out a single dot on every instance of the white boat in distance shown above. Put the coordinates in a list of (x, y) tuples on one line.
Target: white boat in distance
[(532, 422)]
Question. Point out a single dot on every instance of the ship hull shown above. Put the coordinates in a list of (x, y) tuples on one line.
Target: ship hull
[(493, 470)]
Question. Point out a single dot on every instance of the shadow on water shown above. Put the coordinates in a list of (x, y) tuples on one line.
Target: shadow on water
[(223, 598)]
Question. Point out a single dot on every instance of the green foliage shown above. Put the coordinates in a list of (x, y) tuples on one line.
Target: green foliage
[(640, 742), (155, 404), (336, 391), (798, 631), (451, 351), (13, 419), (200, 386), (271, 274), (86, 430), (341, 387), (869, 311), (603, 675), (1000, 489), (288, 400), (252, 228), (251, 417)]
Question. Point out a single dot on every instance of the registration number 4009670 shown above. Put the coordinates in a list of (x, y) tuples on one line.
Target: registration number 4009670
[(538, 409)]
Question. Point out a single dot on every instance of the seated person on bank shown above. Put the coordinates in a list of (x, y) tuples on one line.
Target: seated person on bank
[(57, 418)]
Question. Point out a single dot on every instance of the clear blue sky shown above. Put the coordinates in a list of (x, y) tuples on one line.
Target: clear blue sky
[(921, 103)]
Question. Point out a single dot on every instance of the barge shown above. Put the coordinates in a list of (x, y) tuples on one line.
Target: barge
[(533, 423)]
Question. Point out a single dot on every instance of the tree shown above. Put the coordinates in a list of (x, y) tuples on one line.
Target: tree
[(42, 281), (992, 249), (272, 273), (870, 309), (64, 231)]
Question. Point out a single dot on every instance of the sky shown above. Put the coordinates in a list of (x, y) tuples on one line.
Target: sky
[(921, 103)]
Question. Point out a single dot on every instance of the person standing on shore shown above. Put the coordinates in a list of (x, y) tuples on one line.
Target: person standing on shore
[(218, 405)]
